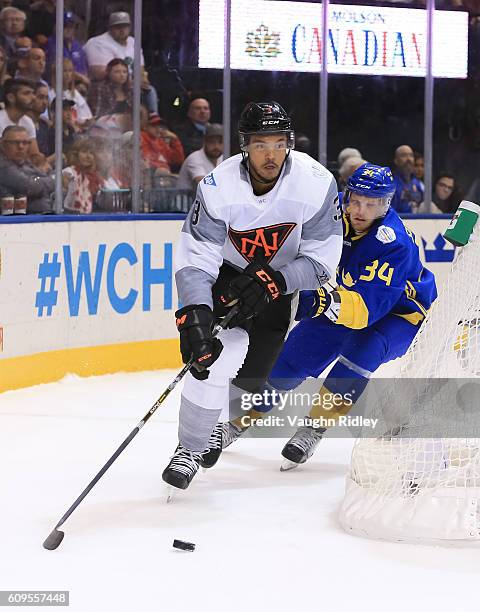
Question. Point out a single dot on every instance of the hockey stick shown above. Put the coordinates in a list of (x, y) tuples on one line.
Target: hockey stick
[(56, 536)]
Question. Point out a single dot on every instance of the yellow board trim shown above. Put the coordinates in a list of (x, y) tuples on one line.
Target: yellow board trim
[(28, 370)]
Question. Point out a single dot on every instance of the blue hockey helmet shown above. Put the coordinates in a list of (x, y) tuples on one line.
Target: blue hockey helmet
[(372, 181)]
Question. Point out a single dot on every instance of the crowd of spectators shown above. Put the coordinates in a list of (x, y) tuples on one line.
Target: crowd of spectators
[(408, 170), (97, 107)]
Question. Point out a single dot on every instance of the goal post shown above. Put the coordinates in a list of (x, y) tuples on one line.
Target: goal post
[(408, 485)]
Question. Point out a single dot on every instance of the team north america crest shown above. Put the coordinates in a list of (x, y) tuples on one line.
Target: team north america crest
[(261, 242)]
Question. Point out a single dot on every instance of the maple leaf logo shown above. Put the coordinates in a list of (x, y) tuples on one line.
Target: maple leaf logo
[(262, 43)]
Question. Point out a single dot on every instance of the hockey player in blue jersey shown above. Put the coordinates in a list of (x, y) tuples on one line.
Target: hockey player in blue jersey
[(382, 295)]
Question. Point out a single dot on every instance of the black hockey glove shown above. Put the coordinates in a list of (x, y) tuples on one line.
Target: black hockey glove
[(195, 324), (256, 287)]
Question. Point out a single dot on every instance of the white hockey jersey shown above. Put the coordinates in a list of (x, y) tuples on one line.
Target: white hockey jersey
[(296, 227)]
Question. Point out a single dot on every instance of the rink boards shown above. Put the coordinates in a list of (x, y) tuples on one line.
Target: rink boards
[(95, 295)]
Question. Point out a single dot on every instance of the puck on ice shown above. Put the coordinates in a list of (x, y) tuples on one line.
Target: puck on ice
[(184, 545)]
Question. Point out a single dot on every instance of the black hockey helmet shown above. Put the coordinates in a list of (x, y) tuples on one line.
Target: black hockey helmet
[(264, 118)]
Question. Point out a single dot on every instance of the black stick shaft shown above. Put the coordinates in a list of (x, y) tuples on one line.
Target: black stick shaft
[(135, 431), (90, 486)]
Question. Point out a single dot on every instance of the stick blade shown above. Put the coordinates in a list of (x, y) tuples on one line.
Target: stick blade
[(54, 539)]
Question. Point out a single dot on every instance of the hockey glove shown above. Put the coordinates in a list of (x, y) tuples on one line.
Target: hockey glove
[(256, 287), (195, 324), (324, 301)]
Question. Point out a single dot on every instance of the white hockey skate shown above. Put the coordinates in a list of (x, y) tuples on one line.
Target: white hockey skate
[(231, 433), (222, 436), (182, 468)]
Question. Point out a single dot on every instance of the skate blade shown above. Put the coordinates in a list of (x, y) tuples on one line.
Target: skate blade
[(170, 493), (288, 465)]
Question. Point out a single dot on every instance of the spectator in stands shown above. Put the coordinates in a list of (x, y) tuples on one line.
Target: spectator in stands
[(348, 167), (82, 115), (446, 196), (71, 130), (192, 131), (41, 21), (200, 163), (346, 153), (18, 176), (72, 49), (4, 76), (37, 115), (19, 95), (81, 180), (161, 149), (12, 25), (409, 190), (23, 46), (117, 43), (303, 143), (82, 88), (112, 179), (419, 167), (149, 93), (113, 95), (31, 66)]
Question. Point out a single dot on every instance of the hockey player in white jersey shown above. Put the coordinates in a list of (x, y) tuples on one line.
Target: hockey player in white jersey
[(264, 224)]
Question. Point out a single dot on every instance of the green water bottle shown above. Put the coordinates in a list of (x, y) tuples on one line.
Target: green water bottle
[(462, 224)]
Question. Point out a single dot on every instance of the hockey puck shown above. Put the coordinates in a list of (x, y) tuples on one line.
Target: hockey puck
[(180, 544)]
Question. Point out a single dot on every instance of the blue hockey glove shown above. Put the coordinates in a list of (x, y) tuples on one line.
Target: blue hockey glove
[(324, 301)]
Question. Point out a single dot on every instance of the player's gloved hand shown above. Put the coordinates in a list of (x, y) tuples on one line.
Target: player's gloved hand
[(195, 324), (324, 301), (308, 303), (256, 287)]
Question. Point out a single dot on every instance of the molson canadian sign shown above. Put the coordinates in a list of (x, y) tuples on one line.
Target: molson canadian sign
[(272, 35)]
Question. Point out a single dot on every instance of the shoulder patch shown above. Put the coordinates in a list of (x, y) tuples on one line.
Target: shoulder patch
[(210, 180), (385, 234)]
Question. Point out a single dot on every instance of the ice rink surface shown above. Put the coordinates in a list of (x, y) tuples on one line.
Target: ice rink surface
[(265, 540)]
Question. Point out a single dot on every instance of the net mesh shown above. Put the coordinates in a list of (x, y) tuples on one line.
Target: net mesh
[(420, 464)]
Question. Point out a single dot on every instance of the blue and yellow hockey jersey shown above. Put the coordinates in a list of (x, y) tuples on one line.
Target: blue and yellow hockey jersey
[(380, 272)]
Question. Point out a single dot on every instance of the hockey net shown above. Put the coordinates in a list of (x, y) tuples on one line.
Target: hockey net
[(420, 481)]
